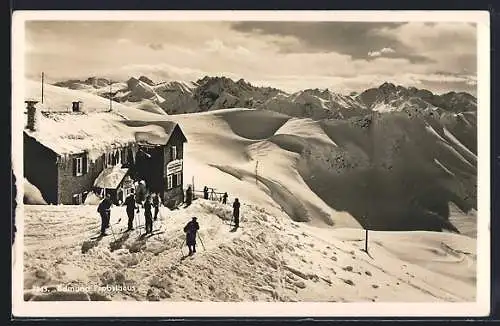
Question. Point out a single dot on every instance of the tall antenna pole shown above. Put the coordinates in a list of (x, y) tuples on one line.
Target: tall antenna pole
[(256, 172), (43, 75), (110, 99)]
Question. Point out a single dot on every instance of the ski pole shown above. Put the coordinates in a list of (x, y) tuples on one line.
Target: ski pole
[(201, 242), (112, 232), (182, 246)]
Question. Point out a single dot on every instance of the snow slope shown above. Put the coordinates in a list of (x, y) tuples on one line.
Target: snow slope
[(273, 257), (321, 171), (32, 195), (270, 258)]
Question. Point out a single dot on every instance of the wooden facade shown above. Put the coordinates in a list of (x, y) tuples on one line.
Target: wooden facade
[(68, 180)]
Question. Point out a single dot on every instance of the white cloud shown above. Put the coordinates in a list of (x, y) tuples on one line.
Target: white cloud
[(387, 50), (380, 52), (451, 45), (189, 51)]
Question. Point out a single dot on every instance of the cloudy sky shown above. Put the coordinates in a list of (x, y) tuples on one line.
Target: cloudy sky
[(342, 56)]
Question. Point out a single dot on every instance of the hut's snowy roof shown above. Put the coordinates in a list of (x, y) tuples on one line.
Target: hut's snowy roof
[(111, 177), (92, 132), (72, 133), (95, 130)]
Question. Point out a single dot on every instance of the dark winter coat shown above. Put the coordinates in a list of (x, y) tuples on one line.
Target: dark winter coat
[(191, 228), (130, 203), (236, 209), (189, 195), (147, 209), (141, 193), (104, 206)]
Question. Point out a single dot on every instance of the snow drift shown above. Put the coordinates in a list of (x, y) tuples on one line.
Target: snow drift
[(32, 195), (270, 258)]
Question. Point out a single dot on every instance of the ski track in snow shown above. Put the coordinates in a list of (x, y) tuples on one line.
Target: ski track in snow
[(269, 258)]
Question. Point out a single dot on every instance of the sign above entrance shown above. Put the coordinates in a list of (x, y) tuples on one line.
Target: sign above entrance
[(174, 166)]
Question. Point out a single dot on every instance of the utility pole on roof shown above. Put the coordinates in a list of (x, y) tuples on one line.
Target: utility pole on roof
[(43, 76), (110, 97), (256, 172)]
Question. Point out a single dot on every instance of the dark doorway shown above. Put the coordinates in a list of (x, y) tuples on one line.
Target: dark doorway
[(149, 167)]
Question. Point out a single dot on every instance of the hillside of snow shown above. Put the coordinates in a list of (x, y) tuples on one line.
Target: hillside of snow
[(307, 188), (392, 171), (270, 258), (395, 173), (59, 99), (32, 195)]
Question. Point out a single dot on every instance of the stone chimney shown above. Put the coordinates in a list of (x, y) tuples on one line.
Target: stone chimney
[(32, 119), (77, 106)]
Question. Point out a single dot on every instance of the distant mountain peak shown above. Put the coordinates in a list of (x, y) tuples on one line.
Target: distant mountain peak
[(221, 92), (390, 97)]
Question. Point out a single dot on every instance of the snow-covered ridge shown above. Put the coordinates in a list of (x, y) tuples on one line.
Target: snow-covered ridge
[(215, 93)]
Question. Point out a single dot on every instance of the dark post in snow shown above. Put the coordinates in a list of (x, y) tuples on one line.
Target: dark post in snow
[(43, 76), (372, 159), (110, 98), (366, 240), (256, 166)]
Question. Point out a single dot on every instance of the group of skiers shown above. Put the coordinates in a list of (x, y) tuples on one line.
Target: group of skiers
[(236, 204), (205, 195), (140, 197)]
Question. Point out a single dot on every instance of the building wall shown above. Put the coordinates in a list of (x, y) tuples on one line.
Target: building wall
[(175, 196), (40, 168), (69, 184)]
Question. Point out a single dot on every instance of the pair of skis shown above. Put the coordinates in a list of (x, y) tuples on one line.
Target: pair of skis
[(184, 243)]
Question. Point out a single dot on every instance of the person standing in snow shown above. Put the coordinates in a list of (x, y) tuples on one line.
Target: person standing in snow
[(190, 229), (224, 198), (148, 216), (131, 205), (156, 205), (141, 192), (236, 213), (189, 196), (104, 210), (205, 192)]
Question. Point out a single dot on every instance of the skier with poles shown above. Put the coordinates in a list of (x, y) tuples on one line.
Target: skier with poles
[(189, 196), (224, 198), (156, 205), (236, 213), (131, 206), (190, 229), (148, 216), (104, 210)]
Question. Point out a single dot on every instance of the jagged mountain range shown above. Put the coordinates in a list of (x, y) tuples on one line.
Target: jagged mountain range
[(214, 93)]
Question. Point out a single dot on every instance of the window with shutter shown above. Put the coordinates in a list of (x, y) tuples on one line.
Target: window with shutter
[(86, 164), (78, 166), (169, 181), (179, 178), (174, 152)]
